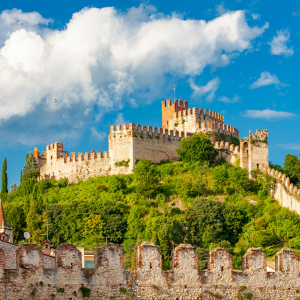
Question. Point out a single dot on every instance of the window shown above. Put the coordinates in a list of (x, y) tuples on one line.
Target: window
[(150, 265), (89, 264)]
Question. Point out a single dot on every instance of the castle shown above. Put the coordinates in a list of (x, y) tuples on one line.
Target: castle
[(129, 143), (31, 275)]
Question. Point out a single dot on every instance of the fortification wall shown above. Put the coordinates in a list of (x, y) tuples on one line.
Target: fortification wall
[(284, 192), (195, 120), (230, 153), (31, 279), (81, 167)]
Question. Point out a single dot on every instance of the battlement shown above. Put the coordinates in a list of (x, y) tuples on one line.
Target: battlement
[(283, 180), (148, 280), (177, 104), (132, 130), (205, 113), (260, 135)]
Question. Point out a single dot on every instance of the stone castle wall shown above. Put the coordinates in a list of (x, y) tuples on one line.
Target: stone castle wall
[(284, 192), (129, 143), (33, 280)]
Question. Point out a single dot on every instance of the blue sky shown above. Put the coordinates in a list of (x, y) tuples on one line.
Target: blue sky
[(111, 62)]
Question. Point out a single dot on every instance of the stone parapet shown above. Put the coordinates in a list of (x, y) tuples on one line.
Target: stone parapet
[(108, 280)]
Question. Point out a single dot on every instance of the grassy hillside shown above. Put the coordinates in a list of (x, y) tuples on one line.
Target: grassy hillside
[(167, 204)]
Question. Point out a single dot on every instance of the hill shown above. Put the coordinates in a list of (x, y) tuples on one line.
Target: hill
[(169, 203)]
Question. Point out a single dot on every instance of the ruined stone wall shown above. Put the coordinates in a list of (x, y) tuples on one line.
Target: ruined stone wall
[(32, 280), (169, 108), (10, 251), (284, 192)]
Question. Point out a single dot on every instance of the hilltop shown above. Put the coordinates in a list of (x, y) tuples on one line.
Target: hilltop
[(168, 204)]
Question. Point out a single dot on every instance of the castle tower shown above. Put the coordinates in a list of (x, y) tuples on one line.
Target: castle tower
[(254, 150), (168, 110), (6, 233)]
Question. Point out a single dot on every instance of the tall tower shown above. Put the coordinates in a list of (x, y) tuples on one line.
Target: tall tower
[(6, 233), (168, 110)]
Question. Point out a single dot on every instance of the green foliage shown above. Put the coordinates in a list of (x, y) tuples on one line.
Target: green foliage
[(4, 180), (41, 283), (241, 288), (147, 178), (123, 163), (60, 290), (123, 290), (52, 296), (248, 296), (85, 292), (197, 148), (13, 187), (31, 167)]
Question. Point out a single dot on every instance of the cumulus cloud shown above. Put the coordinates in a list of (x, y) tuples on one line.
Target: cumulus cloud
[(278, 43), (267, 114), (104, 58), (227, 100), (266, 79), (207, 90)]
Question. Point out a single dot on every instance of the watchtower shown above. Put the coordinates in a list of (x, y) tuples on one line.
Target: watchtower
[(169, 108)]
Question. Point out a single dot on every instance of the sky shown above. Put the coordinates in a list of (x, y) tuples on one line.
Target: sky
[(113, 62)]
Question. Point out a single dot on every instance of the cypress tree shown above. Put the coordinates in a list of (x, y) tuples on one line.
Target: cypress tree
[(4, 182)]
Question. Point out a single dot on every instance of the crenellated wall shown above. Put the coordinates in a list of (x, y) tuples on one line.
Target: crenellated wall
[(198, 120), (284, 192), (129, 143), (32, 280)]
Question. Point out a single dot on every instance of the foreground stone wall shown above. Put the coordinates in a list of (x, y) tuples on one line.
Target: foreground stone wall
[(32, 280)]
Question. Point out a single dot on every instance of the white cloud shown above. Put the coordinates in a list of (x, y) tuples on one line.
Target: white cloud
[(207, 90), (255, 16), (290, 146), (278, 43), (100, 136), (227, 100), (266, 79), (267, 114), (296, 14), (104, 58), (120, 119)]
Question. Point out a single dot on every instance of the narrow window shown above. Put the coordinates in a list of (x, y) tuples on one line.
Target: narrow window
[(222, 268), (150, 265)]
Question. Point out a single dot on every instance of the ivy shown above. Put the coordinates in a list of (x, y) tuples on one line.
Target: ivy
[(122, 163)]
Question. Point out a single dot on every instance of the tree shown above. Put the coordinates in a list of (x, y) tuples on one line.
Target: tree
[(13, 187), (147, 178), (292, 167), (197, 148), (4, 177), (31, 168)]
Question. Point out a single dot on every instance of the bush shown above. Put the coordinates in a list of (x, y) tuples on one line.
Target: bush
[(197, 148)]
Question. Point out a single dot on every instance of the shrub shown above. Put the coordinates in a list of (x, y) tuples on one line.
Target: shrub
[(85, 292), (123, 290)]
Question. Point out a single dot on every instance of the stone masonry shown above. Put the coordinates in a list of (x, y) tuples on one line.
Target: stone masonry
[(32, 279), (129, 143)]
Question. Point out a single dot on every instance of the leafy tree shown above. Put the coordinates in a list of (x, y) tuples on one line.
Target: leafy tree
[(197, 148), (4, 181), (147, 178), (292, 167), (239, 179)]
